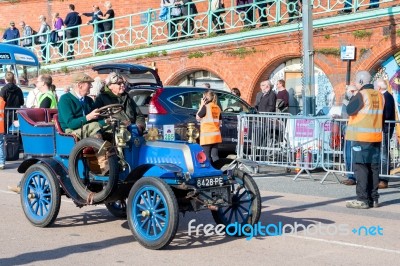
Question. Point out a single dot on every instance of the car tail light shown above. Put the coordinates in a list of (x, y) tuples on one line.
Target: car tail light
[(201, 157), (155, 106)]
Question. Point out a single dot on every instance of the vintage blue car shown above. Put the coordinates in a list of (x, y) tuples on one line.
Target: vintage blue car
[(149, 180)]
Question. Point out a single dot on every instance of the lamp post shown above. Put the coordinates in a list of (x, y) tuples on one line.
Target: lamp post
[(308, 60)]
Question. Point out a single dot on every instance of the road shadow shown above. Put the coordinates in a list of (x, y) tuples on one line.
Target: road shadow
[(57, 253), (87, 218)]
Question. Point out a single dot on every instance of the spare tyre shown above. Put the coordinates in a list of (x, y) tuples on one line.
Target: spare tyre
[(83, 171)]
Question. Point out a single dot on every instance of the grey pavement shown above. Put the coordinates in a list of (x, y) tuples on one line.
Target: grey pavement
[(91, 236)]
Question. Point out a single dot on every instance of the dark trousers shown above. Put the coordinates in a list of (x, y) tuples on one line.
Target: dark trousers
[(71, 35), (348, 159), (188, 27), (374, 3), (387, 136), (262, 13), (211, 151), (366, 163), (218, 22), (45, 56), (295, 12), (172, 27)]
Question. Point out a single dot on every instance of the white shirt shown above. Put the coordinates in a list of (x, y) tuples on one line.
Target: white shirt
[(32, 100)]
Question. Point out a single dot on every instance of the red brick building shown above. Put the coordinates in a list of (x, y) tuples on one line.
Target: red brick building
[(263, 57)]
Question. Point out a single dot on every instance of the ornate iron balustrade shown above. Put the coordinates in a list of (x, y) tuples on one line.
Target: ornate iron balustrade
[(143, 29)]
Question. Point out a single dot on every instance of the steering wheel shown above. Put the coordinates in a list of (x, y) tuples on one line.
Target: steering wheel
[(229, 109), (110, 110)]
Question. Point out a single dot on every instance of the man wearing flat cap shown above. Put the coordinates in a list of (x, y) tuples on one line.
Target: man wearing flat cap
[(76, 111), (11, 35)]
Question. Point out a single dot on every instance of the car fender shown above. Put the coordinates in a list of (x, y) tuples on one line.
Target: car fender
[(141, 170), (60, 171)]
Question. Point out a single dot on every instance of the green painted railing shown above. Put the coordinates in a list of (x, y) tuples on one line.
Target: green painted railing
[(145, 31)]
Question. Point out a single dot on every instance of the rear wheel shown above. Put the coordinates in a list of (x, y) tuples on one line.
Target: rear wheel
[(246, 202), (152, 213), (40, 195)]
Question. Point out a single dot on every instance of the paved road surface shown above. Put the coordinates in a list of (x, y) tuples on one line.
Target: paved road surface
[(91, 236)]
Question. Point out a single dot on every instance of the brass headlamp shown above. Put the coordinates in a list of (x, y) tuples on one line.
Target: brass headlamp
[(192, 133)]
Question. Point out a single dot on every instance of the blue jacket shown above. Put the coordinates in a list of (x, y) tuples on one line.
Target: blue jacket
[(11, 34)]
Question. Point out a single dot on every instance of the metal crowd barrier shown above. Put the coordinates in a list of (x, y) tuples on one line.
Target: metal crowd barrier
[(304, 144), (12, 126)]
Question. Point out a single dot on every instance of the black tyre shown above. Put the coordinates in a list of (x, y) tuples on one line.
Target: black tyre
[(246, 202), (40, 195), (117, 208), (79, 172), (152, 213)]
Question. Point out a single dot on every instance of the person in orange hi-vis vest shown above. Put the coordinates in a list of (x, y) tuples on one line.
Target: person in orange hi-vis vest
[(364, 130), (2, 131), (209, 115)]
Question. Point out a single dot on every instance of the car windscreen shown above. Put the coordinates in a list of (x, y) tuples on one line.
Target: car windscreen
[(140, 78), (227, 102)]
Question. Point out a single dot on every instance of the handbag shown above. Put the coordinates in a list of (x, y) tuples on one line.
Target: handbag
[(176, 11), (61, 32), (164, 13)]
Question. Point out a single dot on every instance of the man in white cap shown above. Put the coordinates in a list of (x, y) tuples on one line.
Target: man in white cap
[(365, 110)]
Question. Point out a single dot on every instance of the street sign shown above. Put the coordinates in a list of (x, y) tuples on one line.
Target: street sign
[(347, 52)]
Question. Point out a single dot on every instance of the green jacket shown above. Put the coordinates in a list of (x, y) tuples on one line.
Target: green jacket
[(72, 114)]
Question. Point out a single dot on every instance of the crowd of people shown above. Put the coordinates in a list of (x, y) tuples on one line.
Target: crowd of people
[(63, 33), (63, 30)]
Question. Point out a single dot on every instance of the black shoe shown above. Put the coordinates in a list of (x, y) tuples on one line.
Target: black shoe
[(373, 204), (372, 7), (344, 11), (264, 25)]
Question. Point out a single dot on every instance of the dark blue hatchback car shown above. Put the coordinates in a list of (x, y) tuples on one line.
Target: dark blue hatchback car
[(179, 105), (175, 106)]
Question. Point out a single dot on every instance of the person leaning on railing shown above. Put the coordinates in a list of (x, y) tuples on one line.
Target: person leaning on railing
[(27, 33), (58, 27), (217, 9), (72, 20), (43, 37), (108, 24)]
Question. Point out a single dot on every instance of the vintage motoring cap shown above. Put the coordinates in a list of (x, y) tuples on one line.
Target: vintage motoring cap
[(12, 23), (82, 77)]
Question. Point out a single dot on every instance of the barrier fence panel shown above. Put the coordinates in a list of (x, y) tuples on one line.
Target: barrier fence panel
[(340, 158), (336, 158), (11, 125), (280, 140), (306, 143)]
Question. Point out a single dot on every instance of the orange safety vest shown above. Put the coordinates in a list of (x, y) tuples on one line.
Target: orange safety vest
[(209, 125), (366, 125), (2, 107)]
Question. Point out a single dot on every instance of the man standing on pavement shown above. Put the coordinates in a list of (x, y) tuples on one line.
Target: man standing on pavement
[(282, 97), (365, 110), (266, 98), (388, 128)]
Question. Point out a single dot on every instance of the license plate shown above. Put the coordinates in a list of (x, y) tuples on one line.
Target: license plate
[(210, 181)]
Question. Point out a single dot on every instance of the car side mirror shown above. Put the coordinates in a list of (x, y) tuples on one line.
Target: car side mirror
[(253, 110)]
